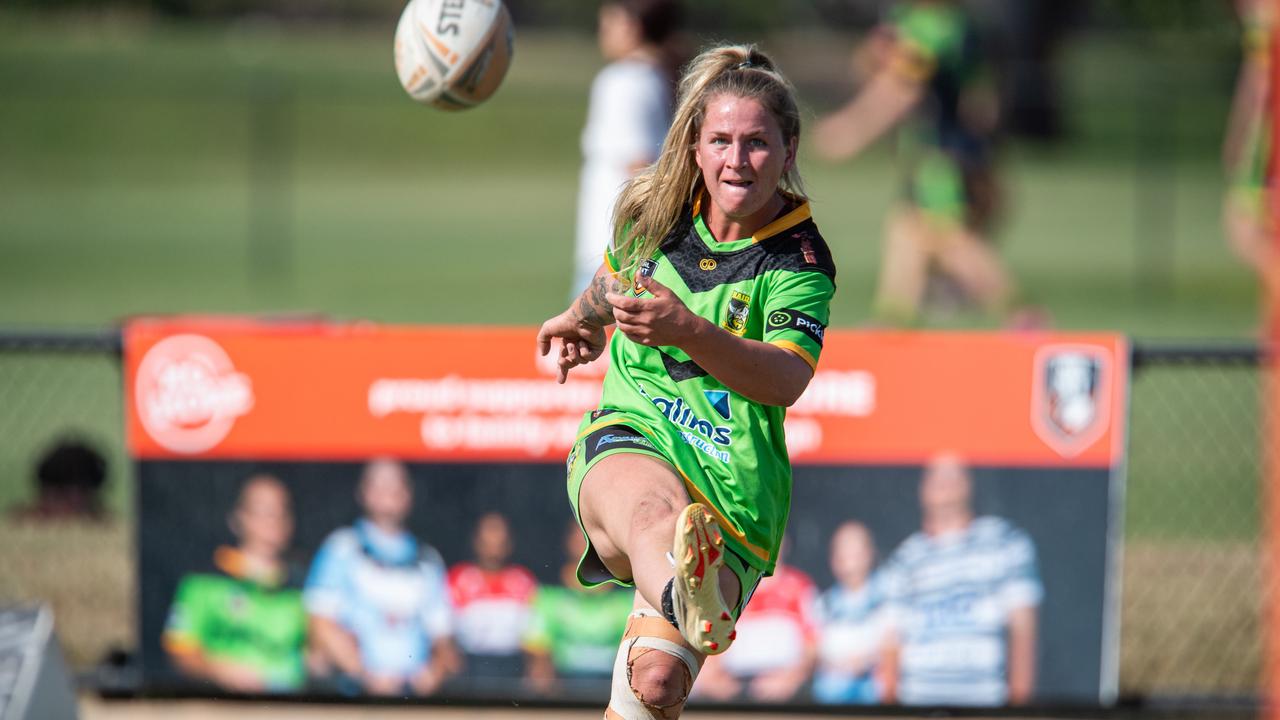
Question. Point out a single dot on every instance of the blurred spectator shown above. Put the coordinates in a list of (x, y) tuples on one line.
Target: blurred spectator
[(574, 630), (926, 70), (963, 594), (492, 598), (68, 484), (852, 621), (1248, 218), (241, 625), (774, 653), (377, 598), (627, 118)]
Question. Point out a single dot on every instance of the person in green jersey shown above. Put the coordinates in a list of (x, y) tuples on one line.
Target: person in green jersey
[(927, 74), (1247, 217), (719, 284), (573, 631), (242, 626)]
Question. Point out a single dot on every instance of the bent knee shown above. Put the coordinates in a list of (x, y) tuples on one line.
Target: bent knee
[(660, 681)]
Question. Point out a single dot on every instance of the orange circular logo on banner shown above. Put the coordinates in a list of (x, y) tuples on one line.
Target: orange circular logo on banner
[(188, 394)]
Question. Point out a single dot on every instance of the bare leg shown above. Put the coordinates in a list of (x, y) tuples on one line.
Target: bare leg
[(975, 265), (903, 266), (1247, 235), (629, 504)]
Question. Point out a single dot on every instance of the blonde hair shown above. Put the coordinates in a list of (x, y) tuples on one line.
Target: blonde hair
[(650, 205)]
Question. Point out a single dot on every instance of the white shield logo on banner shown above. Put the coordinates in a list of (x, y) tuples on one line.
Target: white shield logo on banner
[(1071, 396)]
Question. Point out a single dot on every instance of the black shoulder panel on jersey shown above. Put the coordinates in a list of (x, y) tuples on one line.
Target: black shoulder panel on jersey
[(681, 371), (800, 249), (703, 269)]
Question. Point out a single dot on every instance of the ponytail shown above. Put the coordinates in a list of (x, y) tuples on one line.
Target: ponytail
[(650, 205)]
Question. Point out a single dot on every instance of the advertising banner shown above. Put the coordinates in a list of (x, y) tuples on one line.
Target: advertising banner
[(375, 510)]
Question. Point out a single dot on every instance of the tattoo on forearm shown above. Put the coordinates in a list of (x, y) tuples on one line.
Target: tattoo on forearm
[(592, 307)]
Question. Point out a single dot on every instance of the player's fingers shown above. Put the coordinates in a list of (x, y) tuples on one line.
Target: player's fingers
[(622, 315), (624, 302), (562, 370), (544, 341), (655, 288), (637, 333)]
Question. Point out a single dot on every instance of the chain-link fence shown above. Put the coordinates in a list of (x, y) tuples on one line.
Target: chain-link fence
[(1192, 572), (58, 389)]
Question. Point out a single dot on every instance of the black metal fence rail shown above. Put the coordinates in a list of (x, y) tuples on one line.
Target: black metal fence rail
[(1146, 354), (106, 341)]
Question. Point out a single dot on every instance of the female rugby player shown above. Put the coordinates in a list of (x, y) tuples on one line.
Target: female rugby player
[(719, 284)]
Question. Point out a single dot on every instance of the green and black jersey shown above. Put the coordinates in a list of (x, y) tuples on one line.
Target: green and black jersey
[(230, 616), (775, 287), (938, 48)]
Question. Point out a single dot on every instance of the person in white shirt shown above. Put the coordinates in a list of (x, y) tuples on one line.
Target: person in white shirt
[(627, 119), (964, 595)]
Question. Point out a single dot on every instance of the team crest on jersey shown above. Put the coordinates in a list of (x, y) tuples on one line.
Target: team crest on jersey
[(573, 457), (735, 320), (1071, 397)]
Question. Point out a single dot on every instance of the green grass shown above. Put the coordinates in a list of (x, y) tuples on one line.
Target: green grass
[(126, 166)]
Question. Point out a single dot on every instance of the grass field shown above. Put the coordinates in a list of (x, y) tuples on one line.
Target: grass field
[(144, 167), (128, 183)]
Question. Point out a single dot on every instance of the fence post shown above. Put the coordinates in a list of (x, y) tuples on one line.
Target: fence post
[(271, 124)]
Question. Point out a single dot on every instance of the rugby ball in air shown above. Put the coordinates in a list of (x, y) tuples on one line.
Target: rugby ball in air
[(453, 54)]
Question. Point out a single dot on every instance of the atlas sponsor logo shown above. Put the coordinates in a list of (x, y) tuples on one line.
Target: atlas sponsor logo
[(704, 446), (679, 413), (614, 439), (719, 400)]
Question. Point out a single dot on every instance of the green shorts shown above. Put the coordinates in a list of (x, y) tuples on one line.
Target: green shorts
[(937, 186), (592, 447)]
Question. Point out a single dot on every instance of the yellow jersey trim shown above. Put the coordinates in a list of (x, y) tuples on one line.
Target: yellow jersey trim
[(798, 215), (179, 643), (793, 218), (725, 525), (805, 355)]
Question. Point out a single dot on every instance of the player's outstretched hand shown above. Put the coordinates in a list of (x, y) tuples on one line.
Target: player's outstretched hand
[(661, 318), (577, 343)]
